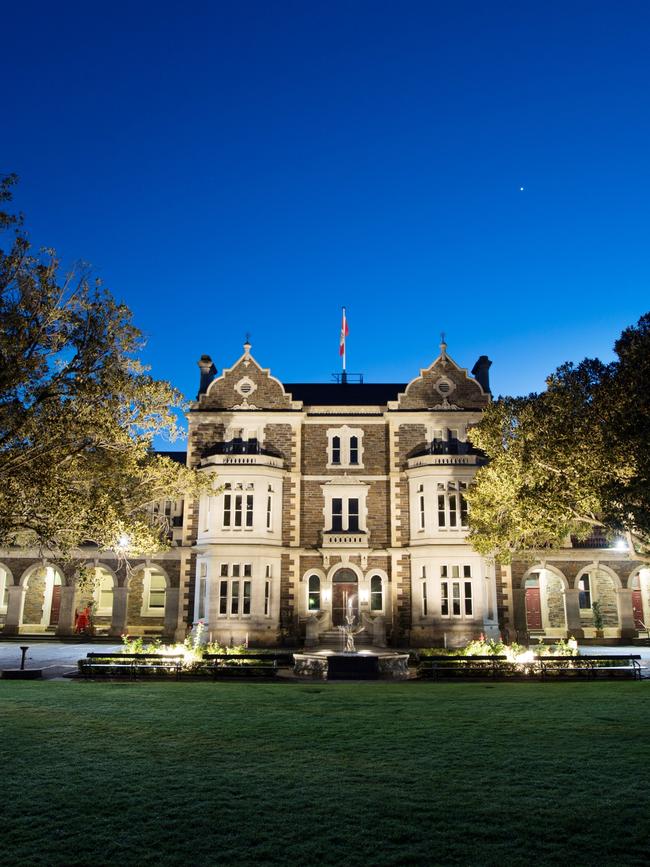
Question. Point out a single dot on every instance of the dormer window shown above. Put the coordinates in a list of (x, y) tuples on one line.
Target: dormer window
[(344, 447)]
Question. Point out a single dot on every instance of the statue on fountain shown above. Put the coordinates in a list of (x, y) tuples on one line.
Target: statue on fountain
[(349, 631)]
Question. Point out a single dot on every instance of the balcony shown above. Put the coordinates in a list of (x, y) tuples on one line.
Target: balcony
[(242, 453), (343, 539), (446, 453)]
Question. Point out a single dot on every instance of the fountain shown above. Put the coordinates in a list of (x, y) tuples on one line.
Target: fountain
[(350, 663)]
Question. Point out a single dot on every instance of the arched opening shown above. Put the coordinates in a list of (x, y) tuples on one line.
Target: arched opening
[(345, 596), (147, 597), (596, 586), (640, 585), (533, 602), (376, 593), (313, 593), (5, 584), (42, 597)]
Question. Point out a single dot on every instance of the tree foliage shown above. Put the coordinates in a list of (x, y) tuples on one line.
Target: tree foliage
[(575, 457), (78, 411)]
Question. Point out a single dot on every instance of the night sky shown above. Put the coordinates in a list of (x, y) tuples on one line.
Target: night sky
[(252, 166)]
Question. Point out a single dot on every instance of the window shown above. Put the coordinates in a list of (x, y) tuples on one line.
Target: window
[(269, 508), (344, 447), (267, 597), (157, 591), (154, 592), (200, 611), (425, 604), (452, 505), (456, 595), (313, 597), (584, 592), (421, 511), (238, 508), (345, 515), (376, 594), (235, 595), (104, 592)]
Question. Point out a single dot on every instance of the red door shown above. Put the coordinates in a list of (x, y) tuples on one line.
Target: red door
[(637, 609), (345, 600), (56, 605), (533, 608)]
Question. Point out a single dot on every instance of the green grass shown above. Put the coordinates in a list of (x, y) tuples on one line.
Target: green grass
[(349, 773)]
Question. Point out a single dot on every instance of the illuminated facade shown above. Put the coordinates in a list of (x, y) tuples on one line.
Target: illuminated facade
[(328, 500)]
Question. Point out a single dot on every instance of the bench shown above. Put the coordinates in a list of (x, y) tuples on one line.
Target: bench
[(462, 666), (244, 664), (600, 665), (130, 665)]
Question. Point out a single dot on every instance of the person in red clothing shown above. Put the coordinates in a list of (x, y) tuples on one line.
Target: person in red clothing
[(82, 622)]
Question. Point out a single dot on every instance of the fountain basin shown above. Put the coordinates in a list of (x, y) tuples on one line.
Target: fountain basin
[(360, 665)]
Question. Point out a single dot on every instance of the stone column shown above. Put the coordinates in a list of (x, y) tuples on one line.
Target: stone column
[(573, 620), (14, 609), (519, 614), (626, 613), (65, 625), (118, 615), (170, 629)]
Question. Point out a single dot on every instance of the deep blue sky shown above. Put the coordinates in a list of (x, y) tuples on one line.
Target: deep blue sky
[(252, 166)]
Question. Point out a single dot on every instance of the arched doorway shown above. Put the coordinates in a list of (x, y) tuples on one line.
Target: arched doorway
[(42, 603), (345, 596), (533, 603), (637, 582)]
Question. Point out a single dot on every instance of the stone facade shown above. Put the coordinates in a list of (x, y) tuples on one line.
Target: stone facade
[(330, 499)]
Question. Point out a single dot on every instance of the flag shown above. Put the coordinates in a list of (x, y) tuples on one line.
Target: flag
[(344, 334)]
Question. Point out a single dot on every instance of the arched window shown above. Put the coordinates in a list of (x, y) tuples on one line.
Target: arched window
[(336, 450), (313, 603), (354, 450), (376, 594)]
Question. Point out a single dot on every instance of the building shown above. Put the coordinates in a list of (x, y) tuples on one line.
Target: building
[(329, 500)]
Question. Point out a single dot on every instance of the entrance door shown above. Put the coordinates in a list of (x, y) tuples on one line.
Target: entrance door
[(345, 600), (533, 608), (56, 604), (637, 609)]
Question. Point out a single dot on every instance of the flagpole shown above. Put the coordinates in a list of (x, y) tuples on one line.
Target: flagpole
[(344, 347)]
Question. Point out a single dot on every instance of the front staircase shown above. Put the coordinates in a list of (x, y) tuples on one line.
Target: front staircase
[(334, 639)]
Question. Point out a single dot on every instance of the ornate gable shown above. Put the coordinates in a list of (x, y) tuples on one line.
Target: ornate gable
[(247, 386), (444, 386)]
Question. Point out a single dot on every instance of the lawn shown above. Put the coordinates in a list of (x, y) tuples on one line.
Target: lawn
[(349, 773)]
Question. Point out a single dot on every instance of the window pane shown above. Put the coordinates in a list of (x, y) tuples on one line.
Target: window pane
[(424, 598), (444, 598), (235, 570), (353, 515), (463, 511), (584, 592), (337, 514), (234, 598), (422, 512), (376, 594), (336, 450), (441, 510), (247, 598), (226, 510), (452, 510), (354, 450), (224, 569), (248, 570), (223, 597), (267, 597), (249, 510), (468, 597), (455, 598), (313, 603)]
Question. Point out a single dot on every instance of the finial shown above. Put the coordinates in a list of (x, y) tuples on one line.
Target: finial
[(443, 345), (247, 345)]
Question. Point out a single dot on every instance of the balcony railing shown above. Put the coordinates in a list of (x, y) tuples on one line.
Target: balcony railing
[(446, 452), (342, 539), (243, 452)]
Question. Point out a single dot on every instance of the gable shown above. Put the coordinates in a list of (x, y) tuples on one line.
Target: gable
[(442, 386), (247, 386)]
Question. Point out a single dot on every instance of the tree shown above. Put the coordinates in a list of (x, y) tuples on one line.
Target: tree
[(78, 411), (575, 457)]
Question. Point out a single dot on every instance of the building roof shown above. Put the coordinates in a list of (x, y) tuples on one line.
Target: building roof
[(179, 457), (344, 394)]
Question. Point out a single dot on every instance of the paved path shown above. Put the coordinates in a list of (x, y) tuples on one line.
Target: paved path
[(57, 658)]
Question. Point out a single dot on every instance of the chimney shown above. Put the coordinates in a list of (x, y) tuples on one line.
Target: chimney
[(208, 373), (481, 372)]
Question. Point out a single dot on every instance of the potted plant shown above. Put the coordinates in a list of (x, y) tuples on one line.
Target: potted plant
[(597, 612)]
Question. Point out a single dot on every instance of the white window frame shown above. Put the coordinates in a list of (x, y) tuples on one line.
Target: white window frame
[(238, 500), (455, 579), (345, 492), (100, 574), (237, 577), (147, 610), (345, 434)]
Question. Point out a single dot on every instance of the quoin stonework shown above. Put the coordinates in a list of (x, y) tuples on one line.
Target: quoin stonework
[(328, 500)]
